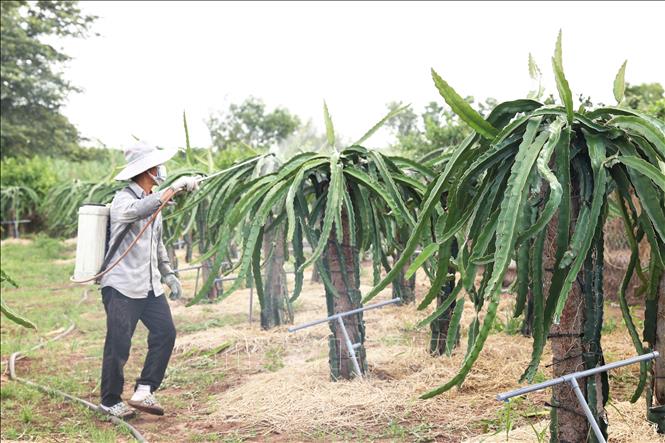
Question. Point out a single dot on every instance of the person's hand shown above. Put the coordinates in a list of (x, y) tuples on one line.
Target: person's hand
[(185, 183), (174, 284)]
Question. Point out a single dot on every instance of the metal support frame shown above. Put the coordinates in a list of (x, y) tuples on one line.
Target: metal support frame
[(178, 244), (251, 300), (223, 279), (15, 224), (350, 347), (189, 268), (571, 379)]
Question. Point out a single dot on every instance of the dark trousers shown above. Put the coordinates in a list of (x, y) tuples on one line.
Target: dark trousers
[(122, 315)]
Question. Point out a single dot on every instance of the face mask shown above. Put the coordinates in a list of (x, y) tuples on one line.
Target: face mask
[(161, 175)]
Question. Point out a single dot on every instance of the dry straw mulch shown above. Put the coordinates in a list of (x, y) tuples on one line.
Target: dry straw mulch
[(299, 402)]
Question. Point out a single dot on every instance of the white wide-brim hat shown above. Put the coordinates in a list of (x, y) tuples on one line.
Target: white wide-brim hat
[(141, 157)]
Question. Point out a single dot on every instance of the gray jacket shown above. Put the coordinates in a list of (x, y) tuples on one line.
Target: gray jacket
[(140, 271)]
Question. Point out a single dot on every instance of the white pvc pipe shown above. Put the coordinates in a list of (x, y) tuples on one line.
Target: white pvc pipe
[(344, 314), (566, 378)]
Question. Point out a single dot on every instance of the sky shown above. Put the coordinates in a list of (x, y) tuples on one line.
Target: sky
[(153, 60)]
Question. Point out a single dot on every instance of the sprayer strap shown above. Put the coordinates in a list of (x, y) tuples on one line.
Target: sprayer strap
[(114, 248)]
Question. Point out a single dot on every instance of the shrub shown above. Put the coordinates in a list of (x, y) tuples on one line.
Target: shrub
[(36, 173)]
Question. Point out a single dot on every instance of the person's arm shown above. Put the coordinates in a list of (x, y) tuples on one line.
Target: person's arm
[(127, 209)]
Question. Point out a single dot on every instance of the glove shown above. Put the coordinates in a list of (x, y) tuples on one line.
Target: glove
[(186, 183), (174, 284)]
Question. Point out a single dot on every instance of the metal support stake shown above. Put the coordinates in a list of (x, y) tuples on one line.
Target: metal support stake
[(350, 347), (251, 300), (571, 379), (196, 285), (587, 410), (14, 224)]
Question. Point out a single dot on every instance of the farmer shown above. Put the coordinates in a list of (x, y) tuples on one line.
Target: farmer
[(132, 290)]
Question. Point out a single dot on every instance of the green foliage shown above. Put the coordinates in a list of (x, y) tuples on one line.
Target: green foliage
[(61, 204), (646, 97), (230, 156), (436, 127), (33, 88), (46, 190), (41, 172), (37, 173), (620, 83), (463, 109), (307, 193), (491, 184), (51, 248), (510, 325), (561, 83), (87, 163), (27, 414), (330, 130), (274, 359), (17, 202), (609, 326), (536, 75), (249, 124), (9, 313)]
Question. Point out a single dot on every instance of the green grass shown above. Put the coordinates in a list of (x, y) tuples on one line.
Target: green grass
[(66, 365), (609, 326), (539, 377), (223, 320), (508, 325), (73, 364), (274, 359), (27, 414)]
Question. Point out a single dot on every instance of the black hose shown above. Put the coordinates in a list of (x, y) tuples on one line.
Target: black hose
[(51, 391)]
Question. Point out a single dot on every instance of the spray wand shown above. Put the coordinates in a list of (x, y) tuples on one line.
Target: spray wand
[(154, 216)]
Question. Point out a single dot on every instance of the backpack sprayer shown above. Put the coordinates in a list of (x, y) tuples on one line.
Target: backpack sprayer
[(93, 223)]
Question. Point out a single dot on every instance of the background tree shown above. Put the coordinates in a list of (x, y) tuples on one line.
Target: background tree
[(435, 128), (24, 182), (249, 124), (33, 88), (646, 97)]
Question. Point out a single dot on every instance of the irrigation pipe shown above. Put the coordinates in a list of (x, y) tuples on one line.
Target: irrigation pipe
[(51, 391)]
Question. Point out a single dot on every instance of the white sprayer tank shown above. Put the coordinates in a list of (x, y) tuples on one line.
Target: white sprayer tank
[(90, 240)]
